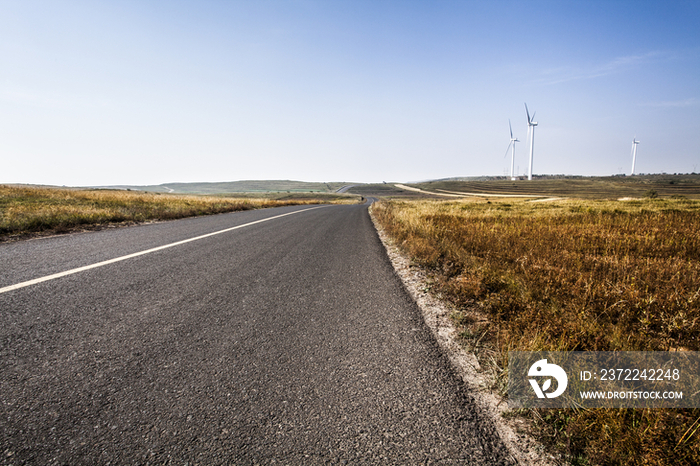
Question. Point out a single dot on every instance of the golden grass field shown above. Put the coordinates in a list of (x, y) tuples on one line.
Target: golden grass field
[(30, 210), (569, 275)]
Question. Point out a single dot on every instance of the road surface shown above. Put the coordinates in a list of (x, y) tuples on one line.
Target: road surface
[(345, 188), (285, 341)]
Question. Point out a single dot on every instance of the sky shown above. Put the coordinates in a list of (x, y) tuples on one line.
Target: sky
[(148, 92)]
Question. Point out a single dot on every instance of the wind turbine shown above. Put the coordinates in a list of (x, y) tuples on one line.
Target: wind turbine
[(512, 157), (531, 130), (634, 153)]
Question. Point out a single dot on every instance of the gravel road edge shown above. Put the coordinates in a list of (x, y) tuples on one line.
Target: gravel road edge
[(513, 431)]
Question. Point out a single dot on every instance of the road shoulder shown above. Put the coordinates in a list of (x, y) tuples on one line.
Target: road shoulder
[(513, 431)]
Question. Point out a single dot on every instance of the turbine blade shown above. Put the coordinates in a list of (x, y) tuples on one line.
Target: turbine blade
[(507, 150), (528, 114), (511, 129)]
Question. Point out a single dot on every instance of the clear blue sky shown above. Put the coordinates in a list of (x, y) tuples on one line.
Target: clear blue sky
[(149, 92)]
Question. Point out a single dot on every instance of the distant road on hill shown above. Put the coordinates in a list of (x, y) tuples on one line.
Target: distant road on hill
[(247, 338), (345, 188)]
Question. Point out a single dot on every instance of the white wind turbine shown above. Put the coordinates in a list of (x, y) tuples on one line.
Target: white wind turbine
[(531, 130), (512, 144), (634, 153)]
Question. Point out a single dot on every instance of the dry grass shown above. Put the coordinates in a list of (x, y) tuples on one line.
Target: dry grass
[(26, 210), (564, 276)]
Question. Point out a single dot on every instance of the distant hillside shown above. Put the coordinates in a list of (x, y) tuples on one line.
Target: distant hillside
[(245, 186), (612, 187)]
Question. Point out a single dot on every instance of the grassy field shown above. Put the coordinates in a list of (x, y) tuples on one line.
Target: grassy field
[(243, 186), (297, 196), (610, 188), (569, 275), (32, 210)]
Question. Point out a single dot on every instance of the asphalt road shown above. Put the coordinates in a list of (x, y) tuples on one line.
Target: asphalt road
[(289, 341)]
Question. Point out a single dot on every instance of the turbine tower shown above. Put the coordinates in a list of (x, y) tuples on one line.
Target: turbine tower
[(531, 130), (634, 153), (512, 157)]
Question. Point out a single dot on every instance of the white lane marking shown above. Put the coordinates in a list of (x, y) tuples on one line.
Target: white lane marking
[(141, 253)]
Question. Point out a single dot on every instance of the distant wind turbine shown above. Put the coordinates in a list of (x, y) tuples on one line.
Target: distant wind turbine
[(531, 130), (512, 144), (634, 153)]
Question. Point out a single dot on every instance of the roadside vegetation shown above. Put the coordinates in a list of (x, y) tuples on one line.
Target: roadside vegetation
[(32, 210), (569, 275)]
